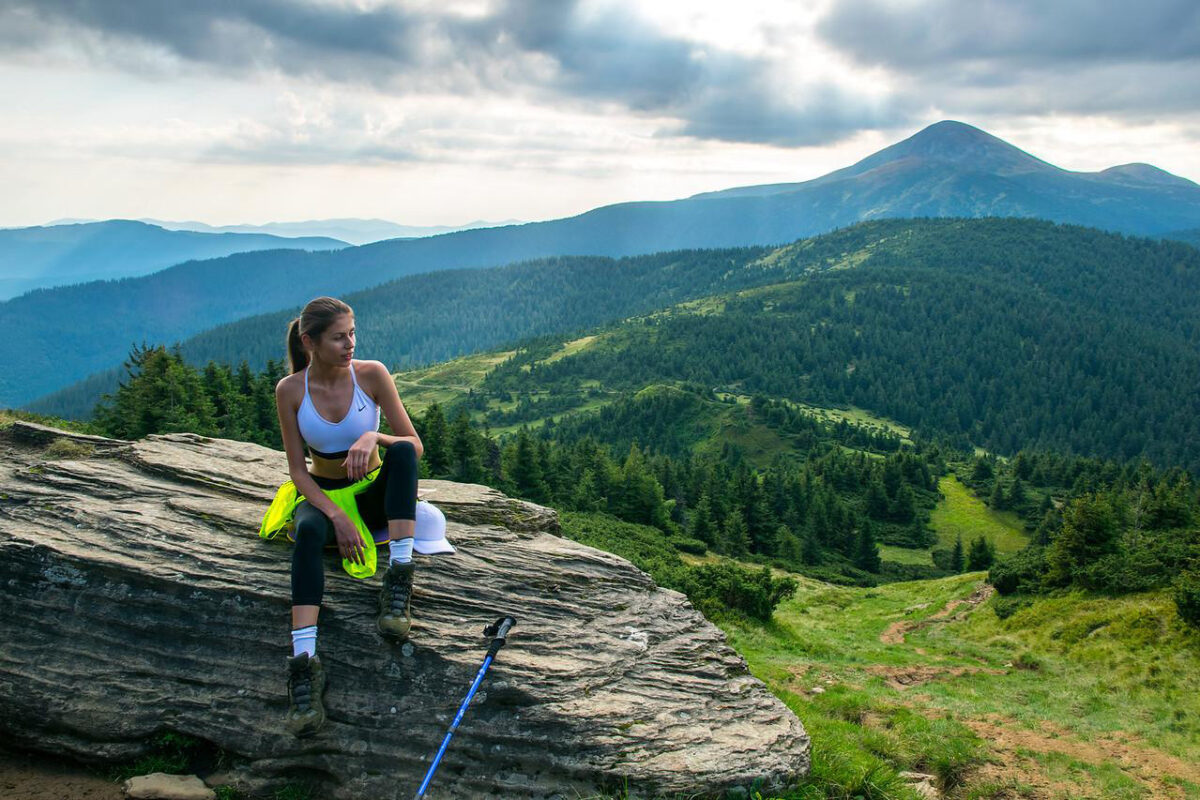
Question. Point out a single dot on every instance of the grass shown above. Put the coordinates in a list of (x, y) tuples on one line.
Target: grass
[(1096, 670), (10, 415), (441, 383), (964, 514), (570, 349)]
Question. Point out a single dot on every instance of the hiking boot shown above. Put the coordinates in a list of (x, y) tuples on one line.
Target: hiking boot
[(395, 601), (306, 689)]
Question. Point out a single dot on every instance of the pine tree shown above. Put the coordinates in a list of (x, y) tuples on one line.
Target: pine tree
[(866, 553), (700, 522), (523, 472), (1016, 494), (788, 546), (435, 438), (980, 554), (465, 450), (736, 539), (997, 500), (956, 558), (982, 471)]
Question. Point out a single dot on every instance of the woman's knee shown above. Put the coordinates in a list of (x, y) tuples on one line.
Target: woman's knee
[(402, 451), (309, 534)]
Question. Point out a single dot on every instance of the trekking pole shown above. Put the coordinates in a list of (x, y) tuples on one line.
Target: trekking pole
[(499, 631)]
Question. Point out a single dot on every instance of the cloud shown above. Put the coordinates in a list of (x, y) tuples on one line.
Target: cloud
[(1027, 57), (593, 55), (931, 33)]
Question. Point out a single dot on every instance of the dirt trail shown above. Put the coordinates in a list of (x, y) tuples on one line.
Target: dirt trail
[(894, 634), (1137, 759)]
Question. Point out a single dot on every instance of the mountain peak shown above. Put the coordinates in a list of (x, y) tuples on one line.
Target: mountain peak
[(1144, 175), (953, 142)]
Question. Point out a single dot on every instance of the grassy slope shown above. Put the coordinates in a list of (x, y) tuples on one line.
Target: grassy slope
[(1032, 706)]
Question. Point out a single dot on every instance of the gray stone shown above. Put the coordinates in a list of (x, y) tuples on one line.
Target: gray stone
[(137, 599), (161, 786)]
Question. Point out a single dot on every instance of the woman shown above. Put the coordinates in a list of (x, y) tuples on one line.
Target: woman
[(331, 403)]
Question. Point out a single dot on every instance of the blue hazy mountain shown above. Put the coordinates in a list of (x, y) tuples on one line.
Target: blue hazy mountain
[(946, 170), (353, 231), (57, 255)]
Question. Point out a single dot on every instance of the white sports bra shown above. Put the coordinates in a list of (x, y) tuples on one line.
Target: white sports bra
[(332, 440)]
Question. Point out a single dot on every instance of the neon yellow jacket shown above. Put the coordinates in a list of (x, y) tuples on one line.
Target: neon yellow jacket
[(280, 519)]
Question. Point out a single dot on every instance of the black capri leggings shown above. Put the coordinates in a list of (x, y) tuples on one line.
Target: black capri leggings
[(392, 495)]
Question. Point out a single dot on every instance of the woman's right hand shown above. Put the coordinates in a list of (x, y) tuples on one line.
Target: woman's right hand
[(349, 541)]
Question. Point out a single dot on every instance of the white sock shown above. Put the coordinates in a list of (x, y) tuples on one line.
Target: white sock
[(401, 550), (304, 640)]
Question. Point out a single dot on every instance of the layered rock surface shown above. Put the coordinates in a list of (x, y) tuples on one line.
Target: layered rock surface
[(136, 599)]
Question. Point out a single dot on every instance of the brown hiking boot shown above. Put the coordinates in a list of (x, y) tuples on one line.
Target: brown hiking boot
[(306, 689), (395, 601)]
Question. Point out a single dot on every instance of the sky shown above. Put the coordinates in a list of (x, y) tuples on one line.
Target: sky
[(441, 113)]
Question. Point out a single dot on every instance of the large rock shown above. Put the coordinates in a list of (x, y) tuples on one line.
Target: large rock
[(137, 600)]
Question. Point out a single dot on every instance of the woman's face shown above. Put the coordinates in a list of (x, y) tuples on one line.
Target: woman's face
[(336, 345)]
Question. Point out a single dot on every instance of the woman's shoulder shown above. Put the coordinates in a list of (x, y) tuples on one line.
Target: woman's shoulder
[(290, 387), (369, 369)]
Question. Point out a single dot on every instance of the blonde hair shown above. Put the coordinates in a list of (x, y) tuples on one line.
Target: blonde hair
[(319, 314)]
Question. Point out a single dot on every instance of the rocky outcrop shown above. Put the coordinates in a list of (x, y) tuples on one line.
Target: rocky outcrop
[(138, 600)]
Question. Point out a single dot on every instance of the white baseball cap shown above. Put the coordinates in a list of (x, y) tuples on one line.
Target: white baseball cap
[(430, 535)]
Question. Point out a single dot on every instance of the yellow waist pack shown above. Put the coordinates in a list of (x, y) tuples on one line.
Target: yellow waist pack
[(280, 519)]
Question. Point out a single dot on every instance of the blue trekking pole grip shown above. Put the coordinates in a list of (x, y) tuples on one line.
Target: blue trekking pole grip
[(498, 630)]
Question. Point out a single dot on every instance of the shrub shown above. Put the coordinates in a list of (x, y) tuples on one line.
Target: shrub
[(1187, 597), (693, 546), (1019, 572), (1005, 607), (717, 589)]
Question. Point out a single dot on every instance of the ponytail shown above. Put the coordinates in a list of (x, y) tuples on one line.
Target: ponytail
[(296, 352), (319, 314)]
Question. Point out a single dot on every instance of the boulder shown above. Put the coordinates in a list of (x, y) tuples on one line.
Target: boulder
[(161, 786), (138, 600)]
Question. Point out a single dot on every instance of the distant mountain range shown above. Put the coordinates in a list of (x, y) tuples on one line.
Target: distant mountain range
[(354, 231), (58, 255), (948, 169)]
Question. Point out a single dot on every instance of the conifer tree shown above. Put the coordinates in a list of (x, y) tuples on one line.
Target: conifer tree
[(956, 557), (866, 553), (997, 499), (980, 554), (435, 438), (736, 540), (700, 522), (465, 450)]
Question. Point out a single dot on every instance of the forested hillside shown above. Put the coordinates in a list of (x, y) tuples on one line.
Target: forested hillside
[(1002, 334)]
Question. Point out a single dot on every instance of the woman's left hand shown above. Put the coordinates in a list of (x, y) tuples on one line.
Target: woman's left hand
[(358, 457)]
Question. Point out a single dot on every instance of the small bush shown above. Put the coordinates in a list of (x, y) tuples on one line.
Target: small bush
[(1019, 572), (1187, 598), (717, 589), (693, 546), (1005, 607), (1027, 661)]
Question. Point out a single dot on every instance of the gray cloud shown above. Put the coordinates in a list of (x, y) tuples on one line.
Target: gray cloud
[(541, 50), (1132, 60), (932, 33)]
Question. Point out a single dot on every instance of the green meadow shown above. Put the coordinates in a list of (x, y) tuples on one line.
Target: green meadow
[(1073, 696)]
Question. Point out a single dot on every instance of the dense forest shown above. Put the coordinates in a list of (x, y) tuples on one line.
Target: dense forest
[(1001, 333), (957, 336)]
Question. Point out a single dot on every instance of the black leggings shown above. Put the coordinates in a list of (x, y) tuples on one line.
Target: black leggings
[(392, 495)]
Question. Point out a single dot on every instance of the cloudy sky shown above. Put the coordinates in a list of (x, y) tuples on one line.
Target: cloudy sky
[(424, 113)]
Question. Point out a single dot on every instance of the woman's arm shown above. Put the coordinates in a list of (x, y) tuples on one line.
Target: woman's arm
[(383, 388)]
